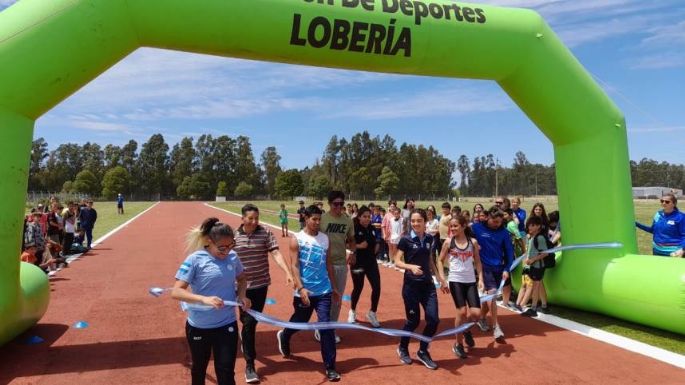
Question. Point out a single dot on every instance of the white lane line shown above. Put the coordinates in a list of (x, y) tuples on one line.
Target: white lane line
[(98, 241), (650, 351)]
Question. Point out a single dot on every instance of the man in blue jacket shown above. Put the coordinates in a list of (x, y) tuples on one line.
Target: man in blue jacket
[(668, 227), (87, 218), (496, 256)]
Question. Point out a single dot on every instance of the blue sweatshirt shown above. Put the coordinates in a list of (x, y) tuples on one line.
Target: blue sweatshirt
[(668, 230), (495, 245)]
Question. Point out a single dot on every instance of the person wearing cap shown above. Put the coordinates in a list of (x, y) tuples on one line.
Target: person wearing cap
[(300, 214), (87, 218)]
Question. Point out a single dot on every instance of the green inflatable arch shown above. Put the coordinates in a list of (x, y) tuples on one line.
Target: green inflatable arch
[(49, 49)]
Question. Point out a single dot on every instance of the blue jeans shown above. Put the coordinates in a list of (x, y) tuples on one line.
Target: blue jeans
[(322, 305), (415, 295), (89, 234)]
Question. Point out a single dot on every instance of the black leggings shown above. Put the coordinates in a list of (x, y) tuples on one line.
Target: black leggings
[(223, 342), (258, 298), (370, 270)]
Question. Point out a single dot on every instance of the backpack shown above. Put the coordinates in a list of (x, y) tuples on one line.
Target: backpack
[(549, 260)]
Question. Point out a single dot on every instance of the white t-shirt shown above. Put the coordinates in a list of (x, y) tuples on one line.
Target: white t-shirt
[(432, 227), (396, 229)]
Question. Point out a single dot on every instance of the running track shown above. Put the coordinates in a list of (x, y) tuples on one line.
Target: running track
[(134, 338)]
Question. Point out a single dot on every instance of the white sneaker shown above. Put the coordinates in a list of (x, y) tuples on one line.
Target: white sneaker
[(498, 334), (371, 316), (337, 339), (352, 317)]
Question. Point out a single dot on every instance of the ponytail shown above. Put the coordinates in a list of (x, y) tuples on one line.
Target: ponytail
[(211, 229)]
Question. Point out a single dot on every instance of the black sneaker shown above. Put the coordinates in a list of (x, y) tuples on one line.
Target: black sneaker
[(332, 375), (283, 346), (251, 376), (426, 359), (530, 312), (544, 309), (458, 350), (404, 356), (468, 337)]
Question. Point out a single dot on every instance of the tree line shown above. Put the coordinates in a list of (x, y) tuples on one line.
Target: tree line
[(361, 165)]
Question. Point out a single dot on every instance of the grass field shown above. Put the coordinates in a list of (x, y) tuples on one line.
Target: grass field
[(644, 211), (108, 219)]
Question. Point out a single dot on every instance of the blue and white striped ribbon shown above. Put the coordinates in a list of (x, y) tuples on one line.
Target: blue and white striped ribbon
[(261, 317), (580, 246)]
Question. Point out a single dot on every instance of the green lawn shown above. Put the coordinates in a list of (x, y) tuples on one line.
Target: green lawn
[(644, 211), (108, 219)]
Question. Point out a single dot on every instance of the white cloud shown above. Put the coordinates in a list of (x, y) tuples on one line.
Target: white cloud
[(652, 129), (428, 103)]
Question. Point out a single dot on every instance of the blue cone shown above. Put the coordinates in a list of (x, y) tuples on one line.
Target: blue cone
[(34, 340), (270, 301), (81, 325), (346, 297)]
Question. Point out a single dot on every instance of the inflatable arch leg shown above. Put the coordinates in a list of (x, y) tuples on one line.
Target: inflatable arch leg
[(48, 50)]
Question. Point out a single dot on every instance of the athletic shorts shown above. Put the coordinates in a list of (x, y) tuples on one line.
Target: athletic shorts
[(536, 273), (464, 293), (492, 276)]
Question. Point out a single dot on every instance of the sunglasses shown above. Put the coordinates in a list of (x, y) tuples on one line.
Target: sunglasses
[(665, 201), (338, 204), (499, 203), (225, 248)]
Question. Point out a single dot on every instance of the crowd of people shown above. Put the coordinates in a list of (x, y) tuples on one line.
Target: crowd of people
[(466, 254), (54, 231)]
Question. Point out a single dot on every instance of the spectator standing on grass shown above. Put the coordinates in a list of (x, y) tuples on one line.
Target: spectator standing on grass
[(120, 204), (254, 244), (33, 235), (315, 288), (668, 228), (477, 211), (300, 214), (520, 214), (69, 218), (406, 213), (340, 230), (283, 218), (54, 225), (87, 218), (443, 226), (386, 229), (214, 274)]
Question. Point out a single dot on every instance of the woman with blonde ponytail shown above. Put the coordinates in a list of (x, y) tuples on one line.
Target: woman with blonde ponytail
[(215, 274)]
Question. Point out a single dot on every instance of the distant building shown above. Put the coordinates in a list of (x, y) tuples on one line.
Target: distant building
[(654, 192)]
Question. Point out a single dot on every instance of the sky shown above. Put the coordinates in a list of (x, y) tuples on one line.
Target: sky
[(634, 49)]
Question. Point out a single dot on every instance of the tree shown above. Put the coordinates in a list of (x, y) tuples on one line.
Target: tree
[(67, 186), (289, 184), (271, 167), (182, 160), (244, 190), (464, 169), (388, 183), (319, 186), (221, 189), (39, 152), (115, 181), (153, 165), (86, 183)]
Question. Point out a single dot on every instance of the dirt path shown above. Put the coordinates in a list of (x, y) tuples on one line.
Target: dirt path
[(133, 338)]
